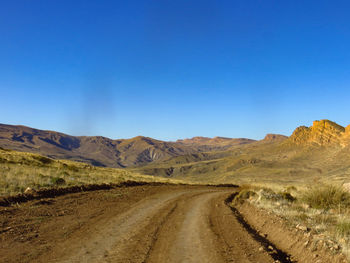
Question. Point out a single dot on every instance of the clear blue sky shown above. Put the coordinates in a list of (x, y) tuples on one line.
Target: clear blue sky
[(174, 69)]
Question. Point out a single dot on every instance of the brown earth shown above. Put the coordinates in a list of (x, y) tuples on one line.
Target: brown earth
[(137, 224)]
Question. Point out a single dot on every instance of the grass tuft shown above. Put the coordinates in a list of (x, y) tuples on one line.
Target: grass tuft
[(343, 228), (327, 197), (58, 181)]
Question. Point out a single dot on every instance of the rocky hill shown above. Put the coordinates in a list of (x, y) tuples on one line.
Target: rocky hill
[(323, 132)]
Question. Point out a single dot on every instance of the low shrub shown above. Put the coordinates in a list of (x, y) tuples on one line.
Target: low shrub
[(64, 173), (43, 159), (326, 197), (324, 219), (267, 194), (343, 228), (58, 181), (301, 217), (291, 188), (244, 195), (287, 196)]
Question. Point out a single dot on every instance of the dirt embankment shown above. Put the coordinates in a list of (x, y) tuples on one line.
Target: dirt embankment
[(163, 223), (300, 243), (55, 192)]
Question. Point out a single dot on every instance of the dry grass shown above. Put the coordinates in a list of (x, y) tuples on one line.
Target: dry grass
[(327, 197), (21, 170), (343, 228), (324, 209)]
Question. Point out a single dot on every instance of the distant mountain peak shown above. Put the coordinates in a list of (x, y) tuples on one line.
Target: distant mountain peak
[(327, 125), (222, 138), (274, 137)]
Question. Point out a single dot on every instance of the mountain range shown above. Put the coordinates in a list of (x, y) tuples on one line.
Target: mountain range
[(102, 151), (319, 151)]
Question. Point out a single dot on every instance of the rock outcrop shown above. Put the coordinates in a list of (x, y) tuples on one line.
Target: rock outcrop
[(323, 132)]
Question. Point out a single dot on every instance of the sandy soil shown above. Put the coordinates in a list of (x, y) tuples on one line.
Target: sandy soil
[(133, 224)]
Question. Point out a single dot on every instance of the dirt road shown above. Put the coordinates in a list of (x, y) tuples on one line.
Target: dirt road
[(134, 224)]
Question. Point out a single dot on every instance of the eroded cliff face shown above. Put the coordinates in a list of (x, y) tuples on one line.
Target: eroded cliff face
[(346, 136), (323, 132)]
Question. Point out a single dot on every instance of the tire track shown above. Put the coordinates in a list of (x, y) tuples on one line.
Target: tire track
[(156, 233), (139, 244), (233, 241), (101, 241), (184, 237), (276, 253)]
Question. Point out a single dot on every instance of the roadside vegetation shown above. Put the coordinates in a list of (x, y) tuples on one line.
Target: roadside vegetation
[(19, 170), (322, 210)]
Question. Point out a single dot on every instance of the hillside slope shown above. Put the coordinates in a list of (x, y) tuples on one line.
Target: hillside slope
[(102, 151), (213, 144), (19, 170), (319, 152), (96, 150)]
